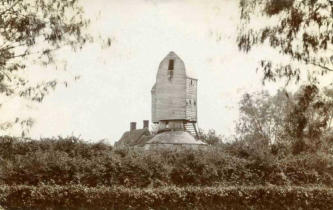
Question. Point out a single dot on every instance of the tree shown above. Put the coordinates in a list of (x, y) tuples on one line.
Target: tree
[(302, 31), (309, 119), (328, 98), (210, 137), (299, 121), (35, 30), (262, 116)]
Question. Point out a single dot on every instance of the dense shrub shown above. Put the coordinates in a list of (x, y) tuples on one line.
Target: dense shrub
[(82, 197), (72, 161), (10, 147)]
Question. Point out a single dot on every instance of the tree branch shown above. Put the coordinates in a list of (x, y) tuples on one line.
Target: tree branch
[(5, 73), (11, 7), (321, 66), (27, 53), (8, 47)]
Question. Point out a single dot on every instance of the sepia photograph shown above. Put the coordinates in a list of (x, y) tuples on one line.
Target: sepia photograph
[(166, 104)]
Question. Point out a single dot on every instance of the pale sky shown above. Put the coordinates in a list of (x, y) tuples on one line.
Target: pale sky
[(115, 83)]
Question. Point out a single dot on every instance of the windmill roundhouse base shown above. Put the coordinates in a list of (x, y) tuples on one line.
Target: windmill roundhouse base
[(175, 140)]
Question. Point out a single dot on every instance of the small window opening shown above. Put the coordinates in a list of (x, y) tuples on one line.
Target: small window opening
[(195, 103), (190, 101), (171, 64), (191, 82)]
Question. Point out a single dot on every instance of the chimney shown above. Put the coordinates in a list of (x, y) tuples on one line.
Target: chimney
[(146, 124), (133, 126)]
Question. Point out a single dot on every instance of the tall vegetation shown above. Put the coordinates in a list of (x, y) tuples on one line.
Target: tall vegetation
[(73, 161), (31, 31), (301, 30), (300, 122), (210, 137)]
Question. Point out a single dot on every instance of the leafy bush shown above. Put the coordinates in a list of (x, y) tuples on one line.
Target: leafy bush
[(210, 137), (72, 161), (82, 197)]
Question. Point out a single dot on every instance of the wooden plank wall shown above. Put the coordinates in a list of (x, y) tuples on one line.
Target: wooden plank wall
[(191, 99), (170, 103)]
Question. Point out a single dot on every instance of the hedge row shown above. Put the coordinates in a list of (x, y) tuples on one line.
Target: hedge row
[(70, 161), (84, 198)]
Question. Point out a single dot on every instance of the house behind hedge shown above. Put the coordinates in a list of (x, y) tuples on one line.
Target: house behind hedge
[(135, 137)]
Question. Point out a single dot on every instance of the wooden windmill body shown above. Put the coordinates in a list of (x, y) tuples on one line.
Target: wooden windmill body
[(174, 97)]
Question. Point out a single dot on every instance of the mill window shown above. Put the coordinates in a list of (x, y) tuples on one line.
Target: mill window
[(171, 64)]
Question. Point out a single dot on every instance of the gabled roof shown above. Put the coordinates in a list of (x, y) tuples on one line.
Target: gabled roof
[(189, 72), (136, 137)]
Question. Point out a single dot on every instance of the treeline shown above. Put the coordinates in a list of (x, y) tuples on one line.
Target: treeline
[(288, 123)]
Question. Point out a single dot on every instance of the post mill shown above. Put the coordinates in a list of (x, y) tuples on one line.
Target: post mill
[(174, 97), (174, 104), (174, 110)]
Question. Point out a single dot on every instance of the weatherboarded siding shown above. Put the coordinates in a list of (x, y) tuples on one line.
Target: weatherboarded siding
[(174, 95), (191, 99), (170, 103)]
